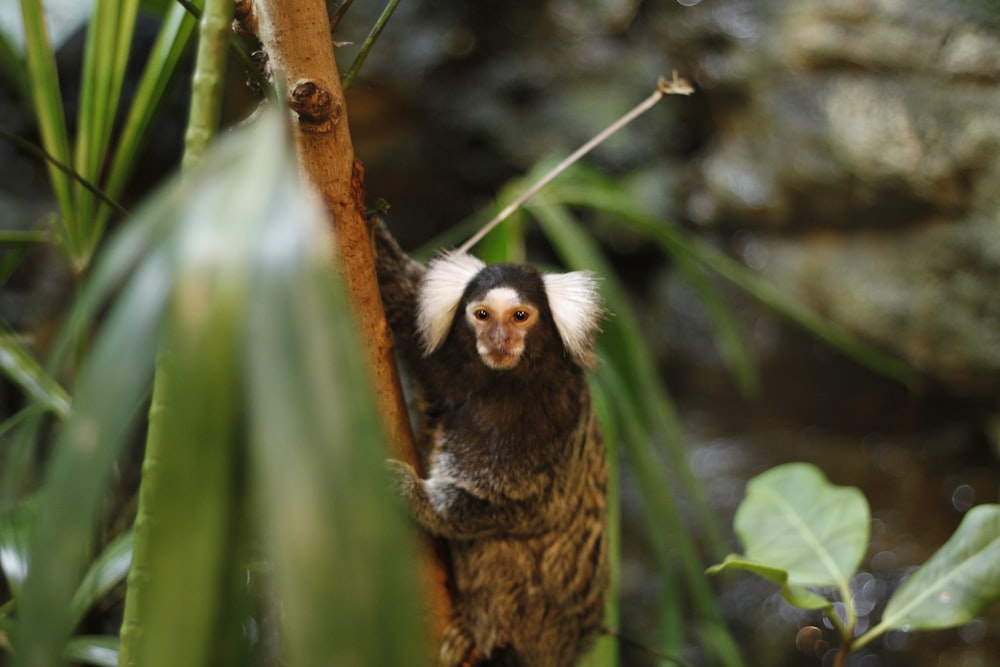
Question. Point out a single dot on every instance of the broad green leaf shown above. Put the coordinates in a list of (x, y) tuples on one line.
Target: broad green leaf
[(343, 557), (189, 509), (796, 595), (794, 521), (959, 581), (112, 384)]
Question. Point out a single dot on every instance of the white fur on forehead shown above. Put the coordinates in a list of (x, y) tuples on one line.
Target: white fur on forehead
[(575, 302), (441, 290)]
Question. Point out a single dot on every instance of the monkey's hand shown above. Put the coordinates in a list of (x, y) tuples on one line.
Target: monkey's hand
[(455, 511), (404, 479)]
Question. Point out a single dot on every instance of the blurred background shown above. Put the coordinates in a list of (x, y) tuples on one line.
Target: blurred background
[(848, 152)]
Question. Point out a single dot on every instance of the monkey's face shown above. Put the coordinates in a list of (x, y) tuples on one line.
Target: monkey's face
[(513, 312), (501, 321)]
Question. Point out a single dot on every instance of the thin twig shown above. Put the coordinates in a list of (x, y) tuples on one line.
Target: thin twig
[(66, 169), (335, 16), (676, 86), (359, 60)]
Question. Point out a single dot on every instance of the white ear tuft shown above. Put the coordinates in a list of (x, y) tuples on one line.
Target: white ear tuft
[(575, 303), (444, 282)]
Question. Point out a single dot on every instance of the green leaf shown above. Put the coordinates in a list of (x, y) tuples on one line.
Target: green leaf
[(626, 349), (796, 595), (581, 186), (506, 242), (47, 99), (189, 508), (15, 525), (959, 581), (106, 397), (106, 572), (343, 557), (101, 651), (166, 51), (605, 653), (793, 521), (109, 36), (13, 68), (19, 365)]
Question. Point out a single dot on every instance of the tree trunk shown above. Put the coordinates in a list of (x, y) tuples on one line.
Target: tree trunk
[(296, 37)]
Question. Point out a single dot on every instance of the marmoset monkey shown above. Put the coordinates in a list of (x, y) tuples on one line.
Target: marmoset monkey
[(517, 474)]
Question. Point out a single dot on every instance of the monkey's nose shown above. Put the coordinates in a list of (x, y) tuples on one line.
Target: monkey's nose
[(498, 337)]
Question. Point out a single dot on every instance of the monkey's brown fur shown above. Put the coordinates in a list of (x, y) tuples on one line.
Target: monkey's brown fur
[(518, 477)]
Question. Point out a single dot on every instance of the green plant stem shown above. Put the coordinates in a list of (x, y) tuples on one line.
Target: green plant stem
[(874, 633), (369, 42), (202, 125), (236, 47), (206, 90), (64, 168)]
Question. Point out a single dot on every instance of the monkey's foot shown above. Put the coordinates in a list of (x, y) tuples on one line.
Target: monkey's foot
[(458, 648)]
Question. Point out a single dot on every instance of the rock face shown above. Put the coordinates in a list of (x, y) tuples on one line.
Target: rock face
[(859, 143)]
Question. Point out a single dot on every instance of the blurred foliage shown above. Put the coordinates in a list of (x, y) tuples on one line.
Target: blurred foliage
[(273, 471), (265, 527), (264, 524), (96, 157)]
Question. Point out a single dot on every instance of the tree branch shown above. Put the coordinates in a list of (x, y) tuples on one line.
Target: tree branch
[(296, 36)]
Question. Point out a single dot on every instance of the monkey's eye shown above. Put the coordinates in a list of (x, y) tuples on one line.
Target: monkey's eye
[(521, 315), (481, 314)]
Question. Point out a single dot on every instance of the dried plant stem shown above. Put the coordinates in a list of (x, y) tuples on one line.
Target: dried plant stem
[(676, 86)]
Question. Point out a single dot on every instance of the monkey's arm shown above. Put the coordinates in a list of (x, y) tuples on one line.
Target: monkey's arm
[(450, 510), (398, 279)]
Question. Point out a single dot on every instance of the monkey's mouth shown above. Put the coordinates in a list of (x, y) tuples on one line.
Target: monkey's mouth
[(500, 361)]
